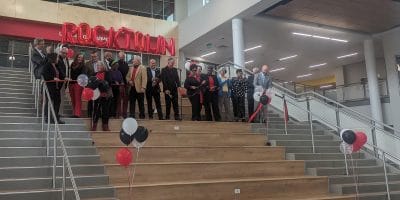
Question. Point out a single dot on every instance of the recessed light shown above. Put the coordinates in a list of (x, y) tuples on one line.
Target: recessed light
[(252, 48), (289, 57), (348, 55), (304, 75), (320, 37), (250, 61), (317, 65), (325, 86), (277, 69), (208, 54)]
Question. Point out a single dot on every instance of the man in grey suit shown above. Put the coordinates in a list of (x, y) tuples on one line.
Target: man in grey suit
[(263, 79)]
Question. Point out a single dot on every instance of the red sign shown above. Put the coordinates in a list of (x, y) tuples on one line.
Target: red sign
[(122, 38)]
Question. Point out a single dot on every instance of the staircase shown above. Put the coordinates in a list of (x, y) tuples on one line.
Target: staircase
[(207, 160), (25, 168), (329, 161)]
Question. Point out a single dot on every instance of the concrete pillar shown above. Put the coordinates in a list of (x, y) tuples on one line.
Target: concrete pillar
[(391, 48), (339, 76), (374, 95), (238, 43)]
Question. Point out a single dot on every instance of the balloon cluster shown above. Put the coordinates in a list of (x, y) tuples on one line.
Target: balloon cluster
[(130, 133), (92, 87), (352, 141)]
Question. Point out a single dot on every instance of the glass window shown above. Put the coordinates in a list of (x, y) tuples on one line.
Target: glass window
[(21, 47), (5, 45), (21, 61), (206, 2), (5, 60)]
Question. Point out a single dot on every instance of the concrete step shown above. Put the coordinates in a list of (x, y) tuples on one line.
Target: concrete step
[(272, 188), (41, 151), (308, 149), (176, 172), (46, 171), (290, 131), (10, 119), (55, 194), (274, 125), (17, 104), (328, 171), (40, 142), (16, 83), (306, 143), (297, 137), (26, 90), (17, 94), (186, 139), (363, 178), (5, 99), (13, 85), (379, 195), (32, 161), (37, 126), (46, 182), (371, 187), (40, 134), (321, 156), (339, 163), (19, 74), (149, 154)]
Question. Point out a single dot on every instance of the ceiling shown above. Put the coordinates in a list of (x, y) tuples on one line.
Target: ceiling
[(369, 16), (275, 36)]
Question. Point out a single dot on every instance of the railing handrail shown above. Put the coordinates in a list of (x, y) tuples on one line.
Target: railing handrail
[(59, 136)]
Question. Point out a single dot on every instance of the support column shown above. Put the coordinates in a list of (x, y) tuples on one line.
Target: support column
[(238, 43), (370, 63)]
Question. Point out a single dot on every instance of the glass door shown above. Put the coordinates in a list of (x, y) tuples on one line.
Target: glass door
[(14, 53)]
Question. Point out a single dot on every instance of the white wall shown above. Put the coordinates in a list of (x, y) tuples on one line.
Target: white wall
[(391, 47), (193, 6), (354, 72), (366, 109)]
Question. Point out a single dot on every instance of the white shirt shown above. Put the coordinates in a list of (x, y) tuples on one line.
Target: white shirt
[(153, 73), (40, 52)]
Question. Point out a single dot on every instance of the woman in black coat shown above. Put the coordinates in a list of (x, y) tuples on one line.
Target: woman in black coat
[(102, 104), (51, 72), (194, 86)]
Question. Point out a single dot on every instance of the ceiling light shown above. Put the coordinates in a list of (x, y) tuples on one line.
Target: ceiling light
[(348, 55), (208, 54), (325, 86), (304, 75), (320, 37), (277, 69), (251, 48), (317, 65), (250, 61), (289, 57)]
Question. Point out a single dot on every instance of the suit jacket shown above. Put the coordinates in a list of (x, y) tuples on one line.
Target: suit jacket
[(38, 63), (250, 85), (150, 80), (88, 69), (170, 79), (49, 74), (216, 83), (140, 79), (123, 68), (262, 80), (65, 69), (192, 81)]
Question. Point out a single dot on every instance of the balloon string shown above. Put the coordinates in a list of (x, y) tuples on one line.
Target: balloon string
[(134, 171), (355, 176)]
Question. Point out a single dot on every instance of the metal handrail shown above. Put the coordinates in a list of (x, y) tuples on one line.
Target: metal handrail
[(57, 135)]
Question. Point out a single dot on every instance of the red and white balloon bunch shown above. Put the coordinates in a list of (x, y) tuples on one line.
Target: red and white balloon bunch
[(352, 141)]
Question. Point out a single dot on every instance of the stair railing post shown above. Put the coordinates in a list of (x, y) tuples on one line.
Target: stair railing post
[(386, 176), (43, 103), (337, 118), (48, 129), (63, 179), (311, 123), (374, 142), (54, 154)]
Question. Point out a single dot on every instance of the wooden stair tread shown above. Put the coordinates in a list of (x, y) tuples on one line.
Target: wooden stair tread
[(210, 162), (227, 180), (305, 197)]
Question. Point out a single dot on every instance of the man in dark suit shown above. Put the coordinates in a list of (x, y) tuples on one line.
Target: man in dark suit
[(250, 91), (91, 70), (171, 82), (123, 67), (63, 65), (153, 89), (38, 57), (211, 96)]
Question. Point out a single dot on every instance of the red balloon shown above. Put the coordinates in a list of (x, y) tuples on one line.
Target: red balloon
[(361, 139), (99, 31), (124, 157), (87, 94), (70, 53), (84, 34), (68, 31)]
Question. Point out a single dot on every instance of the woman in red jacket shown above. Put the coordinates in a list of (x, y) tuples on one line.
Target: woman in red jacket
[(75, 90)]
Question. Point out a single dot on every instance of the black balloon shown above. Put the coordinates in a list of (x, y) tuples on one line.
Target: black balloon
[(93, 82), (103, 86), (141, 134), (264, 99), (125, 138), (349, 136)]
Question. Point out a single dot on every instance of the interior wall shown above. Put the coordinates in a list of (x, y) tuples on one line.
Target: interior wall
[(386, 112), (354, 72)]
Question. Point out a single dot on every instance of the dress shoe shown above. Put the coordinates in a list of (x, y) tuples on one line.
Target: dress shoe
[(105, 127), (94, 127)]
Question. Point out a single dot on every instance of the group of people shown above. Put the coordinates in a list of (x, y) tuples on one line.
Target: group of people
[(214, 91), (126, 84)]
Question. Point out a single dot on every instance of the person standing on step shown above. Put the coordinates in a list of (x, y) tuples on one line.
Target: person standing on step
[(194, 85), (124, 97), (239, 88), (38, 58), (153, 89), (117, 86), (224, 94), (63, 64), (108, 59), (102, 104), (250, 91), (90, 70), (52, 73), (211, 96), (263, 79), (137, 80), (75, 90), (171, 82)]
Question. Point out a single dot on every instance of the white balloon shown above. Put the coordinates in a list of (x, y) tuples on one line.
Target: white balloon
[(130, 125), (96, 94), (82, 80), (257, 96)]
